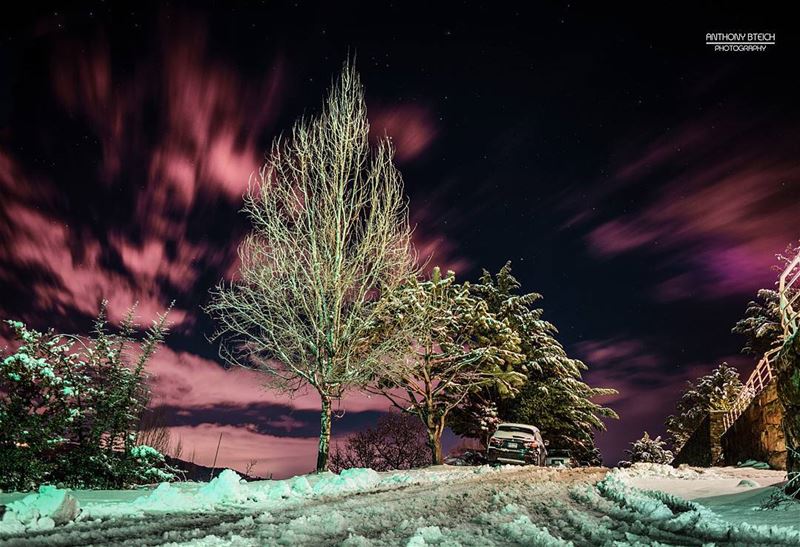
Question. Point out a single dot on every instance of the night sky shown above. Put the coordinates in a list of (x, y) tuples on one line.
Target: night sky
[(639, 180)]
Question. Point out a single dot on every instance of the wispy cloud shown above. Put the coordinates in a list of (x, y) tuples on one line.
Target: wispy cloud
[(715, 202), (648, 383)]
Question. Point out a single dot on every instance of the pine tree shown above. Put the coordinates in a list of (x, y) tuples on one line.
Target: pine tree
[(761, 324), (564, 411), (554, 398), (717, 390), (457, 346), (648, 450)]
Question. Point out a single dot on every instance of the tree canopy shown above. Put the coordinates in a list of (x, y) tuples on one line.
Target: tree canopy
[(456, 346), (553, 397), (330, 239), (717, 390)]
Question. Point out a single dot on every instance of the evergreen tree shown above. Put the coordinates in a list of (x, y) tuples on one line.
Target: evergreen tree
[(457, 346), (554, 398), (70, 407), (648, 450), (563, 410), (715, 391), (761, 324)]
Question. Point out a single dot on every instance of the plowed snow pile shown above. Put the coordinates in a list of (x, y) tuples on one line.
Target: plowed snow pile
[(437, 506)]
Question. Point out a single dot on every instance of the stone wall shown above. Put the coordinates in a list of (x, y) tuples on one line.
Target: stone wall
[(703, 448), (758, 434)]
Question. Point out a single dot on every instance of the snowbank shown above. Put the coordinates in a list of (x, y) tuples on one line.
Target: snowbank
[(658, 516), (44, 510), (663, 471), (477, 506), (228, 490), (350, 480)]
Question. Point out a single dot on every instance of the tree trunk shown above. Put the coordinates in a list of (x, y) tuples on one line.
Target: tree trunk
[(435, 428), (788, 373), (324, 434)]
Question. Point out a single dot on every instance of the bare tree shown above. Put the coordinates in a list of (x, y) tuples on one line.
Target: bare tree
[(153, 429), (249, 467), (330, 238), (177, 451), (399, 441)]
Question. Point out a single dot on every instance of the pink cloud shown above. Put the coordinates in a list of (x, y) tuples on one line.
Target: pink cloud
[(725, 207), (433, 248), (648, 386), (170, 176), (186, 380), (280, 456), (604, 353), (410, 127), (42, 244), (663, 149), (189, 382), (206, 149)]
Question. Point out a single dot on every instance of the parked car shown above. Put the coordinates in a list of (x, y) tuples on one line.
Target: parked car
[(560, 457), (517, 443)]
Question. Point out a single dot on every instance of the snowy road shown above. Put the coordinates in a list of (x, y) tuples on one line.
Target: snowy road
[(439, 506)]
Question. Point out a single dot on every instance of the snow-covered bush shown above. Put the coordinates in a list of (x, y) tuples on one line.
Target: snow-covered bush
[(70, 408), (649, 450)]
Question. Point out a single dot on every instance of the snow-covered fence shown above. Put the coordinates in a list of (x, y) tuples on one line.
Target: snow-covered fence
[(790, 320)]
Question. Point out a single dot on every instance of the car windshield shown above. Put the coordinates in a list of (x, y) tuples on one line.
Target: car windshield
[(516, 429)]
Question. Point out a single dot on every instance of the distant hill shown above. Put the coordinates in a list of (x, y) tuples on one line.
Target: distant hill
[(201, 473)]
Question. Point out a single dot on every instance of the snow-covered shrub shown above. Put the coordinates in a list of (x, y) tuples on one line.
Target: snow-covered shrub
[(70, 407), (649, 450)]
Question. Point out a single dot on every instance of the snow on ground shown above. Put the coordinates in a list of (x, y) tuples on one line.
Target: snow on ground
[(697, 482), (734, 494), (442, 505)]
